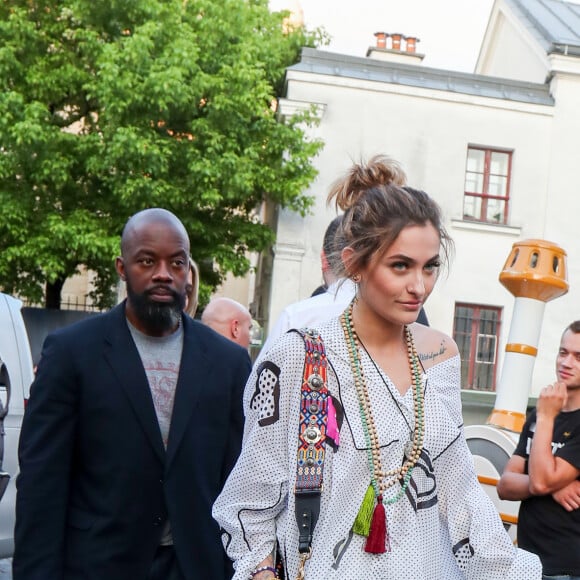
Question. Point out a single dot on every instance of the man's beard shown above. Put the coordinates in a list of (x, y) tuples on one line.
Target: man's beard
[(157, 317)]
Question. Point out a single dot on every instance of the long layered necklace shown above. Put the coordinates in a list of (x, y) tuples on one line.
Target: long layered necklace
[(371, 519)]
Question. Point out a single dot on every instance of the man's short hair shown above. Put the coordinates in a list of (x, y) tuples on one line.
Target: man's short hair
[(574, 327), (330, 246)]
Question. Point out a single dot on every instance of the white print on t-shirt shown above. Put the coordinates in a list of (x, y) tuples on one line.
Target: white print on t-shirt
[(162, 377), (555, 446)]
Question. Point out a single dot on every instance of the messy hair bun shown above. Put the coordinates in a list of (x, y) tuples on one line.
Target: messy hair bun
[(380, 170), (377, 207)]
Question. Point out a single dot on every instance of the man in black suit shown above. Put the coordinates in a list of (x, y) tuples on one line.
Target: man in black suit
[(133, 424)]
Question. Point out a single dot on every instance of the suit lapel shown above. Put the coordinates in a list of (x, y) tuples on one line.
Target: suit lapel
[(193, 374), (124, 359)]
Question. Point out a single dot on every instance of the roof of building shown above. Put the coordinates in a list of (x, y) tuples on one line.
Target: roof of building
[(364, 68), (554, 23)]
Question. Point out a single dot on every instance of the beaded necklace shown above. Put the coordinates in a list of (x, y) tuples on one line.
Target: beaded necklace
[(372, 522)]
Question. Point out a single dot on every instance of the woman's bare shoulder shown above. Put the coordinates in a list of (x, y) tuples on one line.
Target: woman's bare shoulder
[(433, 345)]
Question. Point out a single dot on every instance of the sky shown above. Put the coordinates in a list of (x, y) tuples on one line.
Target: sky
[(450, 31)]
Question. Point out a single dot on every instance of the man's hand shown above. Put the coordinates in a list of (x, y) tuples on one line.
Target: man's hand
[(569, 496), (549, 473), (551, 400)]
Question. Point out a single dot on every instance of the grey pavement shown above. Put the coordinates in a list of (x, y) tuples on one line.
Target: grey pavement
[(6, 569)]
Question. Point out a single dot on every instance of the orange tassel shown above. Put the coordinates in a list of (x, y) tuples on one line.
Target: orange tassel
[(378, 539)]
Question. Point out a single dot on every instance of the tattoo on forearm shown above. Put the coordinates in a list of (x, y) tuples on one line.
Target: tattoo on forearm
[(433, 354)]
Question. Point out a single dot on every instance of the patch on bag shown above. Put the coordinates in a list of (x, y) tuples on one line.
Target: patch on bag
[(266, 397), (463, 551)]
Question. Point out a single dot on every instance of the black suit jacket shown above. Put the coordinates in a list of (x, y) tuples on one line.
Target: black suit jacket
[(96, 484)]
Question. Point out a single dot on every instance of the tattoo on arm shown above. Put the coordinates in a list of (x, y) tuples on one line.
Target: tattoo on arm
[(425, 356)]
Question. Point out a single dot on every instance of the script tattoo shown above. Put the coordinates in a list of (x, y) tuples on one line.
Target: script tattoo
[(433, 354)]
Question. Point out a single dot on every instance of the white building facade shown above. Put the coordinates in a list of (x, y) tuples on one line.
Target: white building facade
[(498, 149)]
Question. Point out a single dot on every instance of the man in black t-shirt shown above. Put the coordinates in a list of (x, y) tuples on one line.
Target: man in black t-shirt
[(544, 470)]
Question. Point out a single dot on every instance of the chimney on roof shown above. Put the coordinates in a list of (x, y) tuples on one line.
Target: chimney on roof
[(396, 38), (381, 39), (411, 43), (395, 52)]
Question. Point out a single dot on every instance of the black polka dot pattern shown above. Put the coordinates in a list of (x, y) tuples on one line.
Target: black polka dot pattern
[(266, 398), (463, 552)]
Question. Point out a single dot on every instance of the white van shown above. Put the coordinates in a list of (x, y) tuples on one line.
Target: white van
[(16, 375)]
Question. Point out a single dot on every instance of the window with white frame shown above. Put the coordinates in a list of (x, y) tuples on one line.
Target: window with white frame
[(487, 185), (476, 331)]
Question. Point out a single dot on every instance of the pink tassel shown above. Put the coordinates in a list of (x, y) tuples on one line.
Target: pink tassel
[(378, 539), (332, 426)]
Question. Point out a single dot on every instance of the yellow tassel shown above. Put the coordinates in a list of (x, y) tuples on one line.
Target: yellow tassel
[(362, 523)]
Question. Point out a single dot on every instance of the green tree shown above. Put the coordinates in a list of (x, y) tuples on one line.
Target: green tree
[(107, 108)]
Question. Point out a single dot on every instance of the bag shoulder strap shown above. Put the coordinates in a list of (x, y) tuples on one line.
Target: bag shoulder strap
[(311, 438)]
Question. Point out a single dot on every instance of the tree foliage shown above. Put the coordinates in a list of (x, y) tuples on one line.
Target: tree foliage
[(107, 108)]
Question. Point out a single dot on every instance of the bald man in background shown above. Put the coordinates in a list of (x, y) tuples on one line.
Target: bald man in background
[(230, 319)]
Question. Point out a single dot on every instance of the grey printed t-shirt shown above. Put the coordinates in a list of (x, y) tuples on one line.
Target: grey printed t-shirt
[(161, 357)]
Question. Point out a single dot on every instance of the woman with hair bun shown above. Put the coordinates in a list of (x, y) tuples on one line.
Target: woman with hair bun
[(354, 463)]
